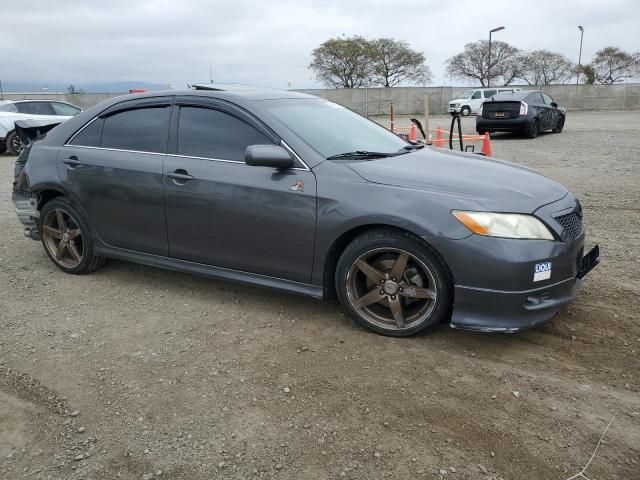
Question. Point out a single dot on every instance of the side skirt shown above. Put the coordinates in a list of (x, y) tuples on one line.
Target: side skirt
[(218, 273)]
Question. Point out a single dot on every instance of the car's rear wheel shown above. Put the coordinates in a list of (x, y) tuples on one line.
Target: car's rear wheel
[(559, 125), (532, 129), (393, 284), (465, 111), (13, 143), (66, 237)]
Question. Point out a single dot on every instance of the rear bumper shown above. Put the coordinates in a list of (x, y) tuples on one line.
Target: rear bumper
[(508, 125), (27, 212)]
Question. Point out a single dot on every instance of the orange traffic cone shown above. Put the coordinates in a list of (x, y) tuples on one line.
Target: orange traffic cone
[(486, 145), (439, 142), (413, 133)]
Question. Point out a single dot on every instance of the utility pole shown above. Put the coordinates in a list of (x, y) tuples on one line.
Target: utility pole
[(210, 74), (497, 29), (580, 54)]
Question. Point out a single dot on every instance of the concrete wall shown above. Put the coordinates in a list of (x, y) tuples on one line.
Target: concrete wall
[(410, 100)]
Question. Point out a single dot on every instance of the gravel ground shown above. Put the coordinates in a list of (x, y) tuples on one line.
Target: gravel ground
[(138, 373)]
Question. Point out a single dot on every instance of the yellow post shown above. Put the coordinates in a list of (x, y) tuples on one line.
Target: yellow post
[(391, 116)]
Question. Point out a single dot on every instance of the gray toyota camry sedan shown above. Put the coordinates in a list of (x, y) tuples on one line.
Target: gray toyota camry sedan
[(289, 191)]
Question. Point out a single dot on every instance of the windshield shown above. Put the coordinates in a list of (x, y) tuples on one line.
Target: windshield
[(332, 129), (466, 94)]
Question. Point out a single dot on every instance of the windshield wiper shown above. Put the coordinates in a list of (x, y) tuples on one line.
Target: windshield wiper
[(417, 146), (361, 154)]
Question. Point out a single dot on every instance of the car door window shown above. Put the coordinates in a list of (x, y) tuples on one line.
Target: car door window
[(209, 133), (89, 136), (9, 107), (476, 95), (547, 99), (65, 109), (489, 93), (35, 108), (140, 129)]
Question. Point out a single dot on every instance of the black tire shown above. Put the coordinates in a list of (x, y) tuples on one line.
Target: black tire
[(465, 111), (3, 148), (13, 144), (83, 242), (439, 308), (559, 125), (532, 129), (481, 132)]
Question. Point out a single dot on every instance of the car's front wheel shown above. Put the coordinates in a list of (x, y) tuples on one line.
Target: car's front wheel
[(559, 125), (66, 237), (465, 111), (393, 283)]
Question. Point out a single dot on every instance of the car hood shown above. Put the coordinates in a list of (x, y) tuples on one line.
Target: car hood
[(498, 185), (458, 100)]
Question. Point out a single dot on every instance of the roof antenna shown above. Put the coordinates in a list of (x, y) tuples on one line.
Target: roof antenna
[(210, 74)]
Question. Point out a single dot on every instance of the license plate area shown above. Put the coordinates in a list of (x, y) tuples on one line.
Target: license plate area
[(498, 114), (589, 261)]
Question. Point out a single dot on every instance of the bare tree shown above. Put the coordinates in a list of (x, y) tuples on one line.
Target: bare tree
[(542, 67), (473, 63), (612, 65), (394, 62), (343, 62)]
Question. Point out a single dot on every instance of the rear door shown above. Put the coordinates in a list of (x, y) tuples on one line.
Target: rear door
[(225, 213), (113, 169), (545, 113), (553, 110)]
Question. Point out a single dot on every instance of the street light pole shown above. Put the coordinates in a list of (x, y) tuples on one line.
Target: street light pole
[(580, 54), (497, 29)]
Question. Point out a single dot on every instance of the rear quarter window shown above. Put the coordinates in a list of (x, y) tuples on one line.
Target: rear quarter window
[(88, 136)]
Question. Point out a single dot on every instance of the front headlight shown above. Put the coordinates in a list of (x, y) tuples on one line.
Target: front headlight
[(505, 225)]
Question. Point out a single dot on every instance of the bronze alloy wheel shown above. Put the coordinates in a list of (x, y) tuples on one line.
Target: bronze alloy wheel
[(391, 288), (62, 238)]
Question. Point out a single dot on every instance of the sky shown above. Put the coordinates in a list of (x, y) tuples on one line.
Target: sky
[(269, 42)]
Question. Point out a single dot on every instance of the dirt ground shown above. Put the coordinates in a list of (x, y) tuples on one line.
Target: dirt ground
[(138, 373)]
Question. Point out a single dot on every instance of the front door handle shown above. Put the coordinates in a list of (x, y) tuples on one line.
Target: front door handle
[(72, 161), (180, 175)]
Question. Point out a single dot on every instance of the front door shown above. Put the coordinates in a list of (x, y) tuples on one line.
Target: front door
[(113, 170), (225, 213)]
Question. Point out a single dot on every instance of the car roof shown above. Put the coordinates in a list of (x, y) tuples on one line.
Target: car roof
[(249, 92)]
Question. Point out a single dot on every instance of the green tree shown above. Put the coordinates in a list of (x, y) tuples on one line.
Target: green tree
[(343, 62), (473, 63), (74, 91), (394, 62)]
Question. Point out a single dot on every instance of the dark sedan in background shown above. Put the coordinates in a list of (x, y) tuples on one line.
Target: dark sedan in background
[(290, 191), (527, 112)]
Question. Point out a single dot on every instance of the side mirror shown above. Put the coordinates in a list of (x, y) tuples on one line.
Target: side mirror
[(273, 156), (554, 104)]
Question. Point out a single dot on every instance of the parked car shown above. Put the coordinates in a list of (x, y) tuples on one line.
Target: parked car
[(290, 191), (470, 100), (529, 112), (41, 110)]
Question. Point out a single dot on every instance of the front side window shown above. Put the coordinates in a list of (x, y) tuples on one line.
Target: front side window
[(65, 109), (209, 133), (476, 95), (35, 108), (141, 130), (547, 99), (332, 129)]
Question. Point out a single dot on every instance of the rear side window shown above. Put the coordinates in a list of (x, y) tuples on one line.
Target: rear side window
[(141, 130), (89, 136), (9, 107), (208, 133), (65, 109), (489, 93), (35, 108)]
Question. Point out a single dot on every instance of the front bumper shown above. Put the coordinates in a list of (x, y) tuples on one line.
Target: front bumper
[(453, 109), (498, 285)]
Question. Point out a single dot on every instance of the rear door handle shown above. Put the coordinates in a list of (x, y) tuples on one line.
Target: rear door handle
[(180, 175), (72, 161)]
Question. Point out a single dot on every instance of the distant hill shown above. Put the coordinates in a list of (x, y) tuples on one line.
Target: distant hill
[(122, 86)]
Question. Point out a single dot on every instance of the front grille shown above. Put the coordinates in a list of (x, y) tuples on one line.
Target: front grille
[(572, 223), (452, 105)]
